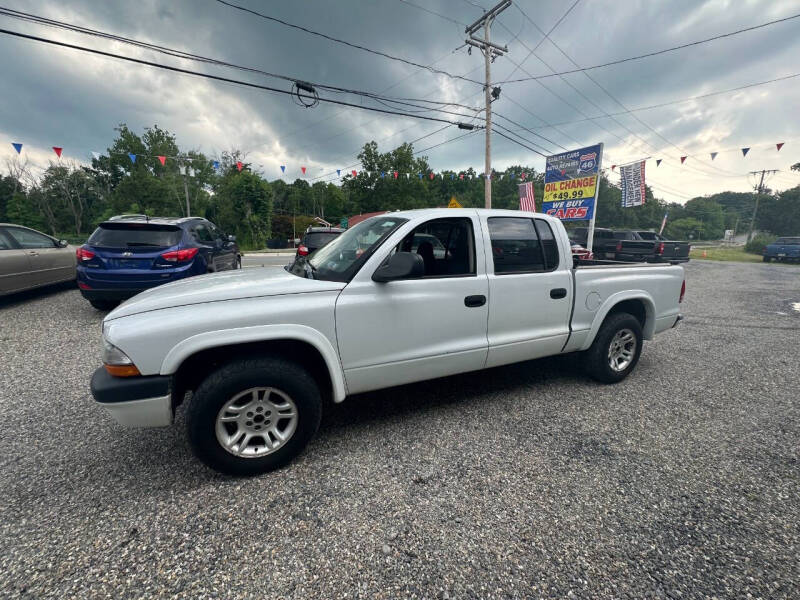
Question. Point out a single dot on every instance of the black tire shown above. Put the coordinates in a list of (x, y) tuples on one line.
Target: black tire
[(104, 304), (238, 263), (234, 378), (767, 258), (597, 356)]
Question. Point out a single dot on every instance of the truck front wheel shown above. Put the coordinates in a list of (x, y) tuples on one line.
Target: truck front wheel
[(251, 416), (616, 349)]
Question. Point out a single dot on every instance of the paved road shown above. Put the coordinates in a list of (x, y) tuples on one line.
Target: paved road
[(265, 260), (524, 481)]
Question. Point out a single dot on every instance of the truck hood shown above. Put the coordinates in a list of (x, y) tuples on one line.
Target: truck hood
[(216, 287)]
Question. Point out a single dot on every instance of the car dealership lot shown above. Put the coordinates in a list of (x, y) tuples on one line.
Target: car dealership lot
[(523, 481)]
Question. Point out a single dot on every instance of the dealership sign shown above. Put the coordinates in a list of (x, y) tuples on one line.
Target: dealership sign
[(571, 183)]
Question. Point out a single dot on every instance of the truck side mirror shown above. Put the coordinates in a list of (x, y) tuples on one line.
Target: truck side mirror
[(401, 265)]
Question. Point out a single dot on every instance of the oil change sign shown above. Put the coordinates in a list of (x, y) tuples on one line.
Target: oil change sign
[(570, 183)]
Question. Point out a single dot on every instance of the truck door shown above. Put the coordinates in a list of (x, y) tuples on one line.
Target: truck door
[(530, 290), (411, 330)]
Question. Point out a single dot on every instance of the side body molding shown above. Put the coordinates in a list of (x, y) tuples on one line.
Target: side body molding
[(648, 331), (260, 333)]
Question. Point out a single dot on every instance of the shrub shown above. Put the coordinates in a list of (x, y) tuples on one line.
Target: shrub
[(759, 243)]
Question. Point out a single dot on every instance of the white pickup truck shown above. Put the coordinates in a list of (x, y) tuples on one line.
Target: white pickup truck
[(379, 306)]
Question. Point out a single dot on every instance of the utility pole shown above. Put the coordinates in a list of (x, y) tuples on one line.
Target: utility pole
[(490, 51), (759, 190)]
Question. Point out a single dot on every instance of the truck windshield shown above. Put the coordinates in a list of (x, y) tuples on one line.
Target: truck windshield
[(340, 259)]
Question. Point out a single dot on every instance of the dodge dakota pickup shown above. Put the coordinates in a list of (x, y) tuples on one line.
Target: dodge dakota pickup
[(255, 353)]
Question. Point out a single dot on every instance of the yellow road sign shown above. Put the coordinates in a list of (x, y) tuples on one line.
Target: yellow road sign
[(454, 203)]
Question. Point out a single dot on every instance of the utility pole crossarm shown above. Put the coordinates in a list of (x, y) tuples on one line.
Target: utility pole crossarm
[(490, 51)]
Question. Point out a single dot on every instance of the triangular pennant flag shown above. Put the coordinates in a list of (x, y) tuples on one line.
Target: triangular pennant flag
[(132, 156), (396, 174), (215, 163), (354, 172), (163, 161), (452, 175), (190, 172), (239, 165), (683, 159), (612, 167), (18, 146), (511, 176), (714, 155), (432, 175), (658, 161), (58, 151), (461, 176), (303, 169), (96, 155), (522, 176), (745, 151), (778, 146), (283, 168)]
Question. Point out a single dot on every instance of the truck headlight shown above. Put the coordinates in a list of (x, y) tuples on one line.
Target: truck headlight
[(117, 362)]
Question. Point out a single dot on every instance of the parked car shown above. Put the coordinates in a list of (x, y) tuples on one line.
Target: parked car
[(261, 349), (131, 253), (315, 238), (31, 259), (783, 249), (647, 246)]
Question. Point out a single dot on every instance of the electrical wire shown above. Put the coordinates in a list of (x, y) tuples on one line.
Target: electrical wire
[(655, 53), (53, 23), (216, 77), (346, 43)]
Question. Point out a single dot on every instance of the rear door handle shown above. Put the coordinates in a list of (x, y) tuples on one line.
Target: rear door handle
[(557, 293), (473, 301)]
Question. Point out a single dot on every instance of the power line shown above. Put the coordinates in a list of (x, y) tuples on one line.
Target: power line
[(219, 78), (656, 53), (47, 22), (615, 99), (346, 43)]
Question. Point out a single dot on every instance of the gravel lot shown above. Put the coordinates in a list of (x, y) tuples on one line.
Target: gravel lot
[(521, 482)]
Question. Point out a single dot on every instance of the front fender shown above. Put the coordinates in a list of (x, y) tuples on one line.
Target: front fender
[(648, 331), (259, 333)]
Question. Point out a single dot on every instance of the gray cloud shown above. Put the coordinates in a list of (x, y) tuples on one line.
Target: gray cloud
[(60, 97)]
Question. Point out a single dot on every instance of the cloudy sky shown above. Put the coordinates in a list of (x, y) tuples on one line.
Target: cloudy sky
[(61, 97)]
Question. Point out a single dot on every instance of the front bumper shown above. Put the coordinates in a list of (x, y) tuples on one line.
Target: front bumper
[(134, 401)]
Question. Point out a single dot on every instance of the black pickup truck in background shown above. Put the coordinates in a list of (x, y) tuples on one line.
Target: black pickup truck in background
[(647, 246), (632, 246)]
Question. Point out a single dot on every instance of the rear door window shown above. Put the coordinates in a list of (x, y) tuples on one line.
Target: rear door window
[(5, 242), (515, 246), (549, 245), (30, 239), (202, 234), (123, 235)]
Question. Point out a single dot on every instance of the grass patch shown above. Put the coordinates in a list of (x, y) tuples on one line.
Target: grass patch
[(729, 254)]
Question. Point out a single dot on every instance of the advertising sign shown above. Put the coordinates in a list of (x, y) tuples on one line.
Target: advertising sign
[(633, 190), (571, 183)]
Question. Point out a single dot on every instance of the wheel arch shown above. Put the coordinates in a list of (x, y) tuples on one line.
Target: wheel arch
[(635, 302), (191, 360)]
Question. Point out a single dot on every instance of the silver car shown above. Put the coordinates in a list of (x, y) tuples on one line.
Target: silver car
[(30, 259)]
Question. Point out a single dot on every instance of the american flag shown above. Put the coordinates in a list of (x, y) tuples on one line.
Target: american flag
[(526, 201)]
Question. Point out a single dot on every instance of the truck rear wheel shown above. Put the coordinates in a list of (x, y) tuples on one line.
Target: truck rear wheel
[(616, 348), (251, 416)]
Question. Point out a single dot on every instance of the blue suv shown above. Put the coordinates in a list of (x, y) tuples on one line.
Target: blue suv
[(131, 253)]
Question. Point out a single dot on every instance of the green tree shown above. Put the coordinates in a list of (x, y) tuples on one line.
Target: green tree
[(242, 205), (710, 214), (687, 228)]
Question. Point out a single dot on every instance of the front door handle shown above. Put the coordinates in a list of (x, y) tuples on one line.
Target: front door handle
[(473, 301), (557, 293)]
